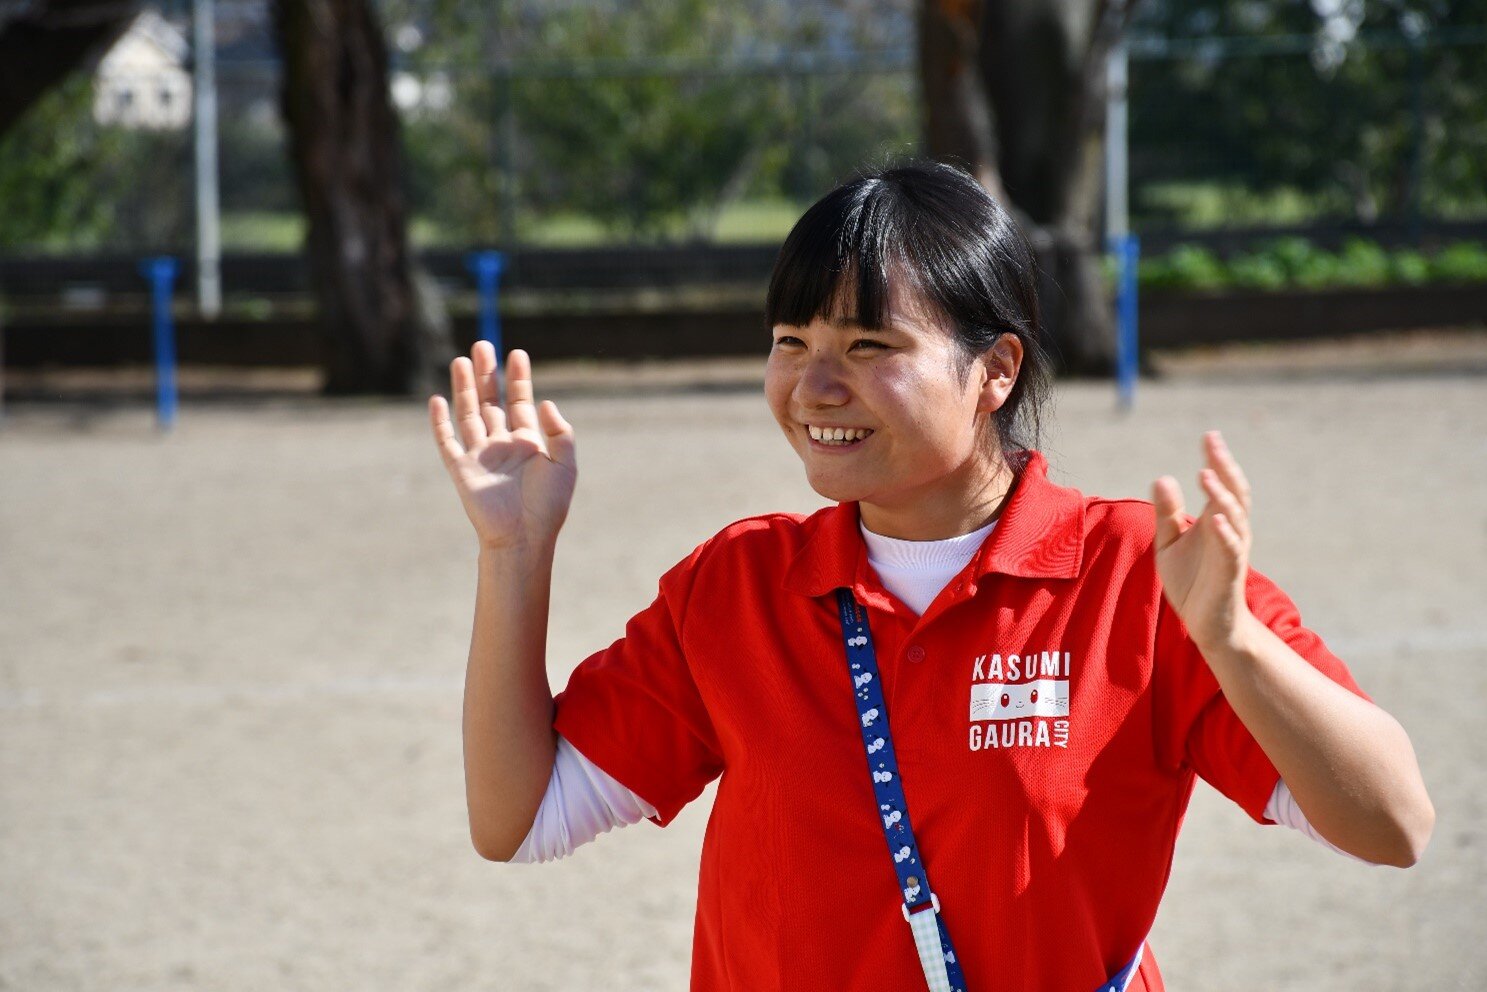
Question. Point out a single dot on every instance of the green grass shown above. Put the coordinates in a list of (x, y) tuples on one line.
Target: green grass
[(564, 231), (758, 220), (738, 223), (1207, 205), (262, 231)]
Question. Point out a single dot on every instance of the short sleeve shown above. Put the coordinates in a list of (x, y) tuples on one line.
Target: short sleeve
[(1196, 726), (633, 709)]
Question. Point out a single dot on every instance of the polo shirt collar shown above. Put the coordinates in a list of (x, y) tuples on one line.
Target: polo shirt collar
[(1039, 535)]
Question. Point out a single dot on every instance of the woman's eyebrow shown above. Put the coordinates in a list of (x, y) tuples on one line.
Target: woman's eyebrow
[(855, 324)]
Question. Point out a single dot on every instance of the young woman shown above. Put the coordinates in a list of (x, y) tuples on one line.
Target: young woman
[(961, 696)]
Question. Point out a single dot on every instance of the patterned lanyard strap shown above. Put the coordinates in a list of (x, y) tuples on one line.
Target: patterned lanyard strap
[(921, 907)]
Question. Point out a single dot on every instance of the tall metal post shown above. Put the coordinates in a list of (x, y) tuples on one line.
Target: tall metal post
[(1119, 239), (505, 127), (208, 206), (1117, 212), (1414, 32)]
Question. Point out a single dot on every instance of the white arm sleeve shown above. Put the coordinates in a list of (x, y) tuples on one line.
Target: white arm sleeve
[(582, 801), (1282, 808)]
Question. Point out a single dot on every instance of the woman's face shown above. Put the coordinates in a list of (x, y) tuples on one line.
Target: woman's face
[(891, 418)]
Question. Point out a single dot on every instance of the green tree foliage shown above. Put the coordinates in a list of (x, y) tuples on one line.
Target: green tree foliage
[(68, 183), (47, 165), (638, 151), (1377, 125), (648, 117)]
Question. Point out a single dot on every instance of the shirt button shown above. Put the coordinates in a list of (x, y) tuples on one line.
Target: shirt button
[(916, 653)]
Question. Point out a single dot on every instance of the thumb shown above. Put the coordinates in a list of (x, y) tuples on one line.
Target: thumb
[(1166, 499), (558, 434)]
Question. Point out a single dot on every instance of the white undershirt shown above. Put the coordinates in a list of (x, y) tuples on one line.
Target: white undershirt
[(583, 801)]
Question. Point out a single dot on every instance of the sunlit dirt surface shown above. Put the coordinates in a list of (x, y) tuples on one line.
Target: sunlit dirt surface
[(231, 661)]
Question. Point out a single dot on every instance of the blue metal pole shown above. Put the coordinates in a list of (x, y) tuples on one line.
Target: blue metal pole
[(161, 271), (487, 266), (1127, 250)]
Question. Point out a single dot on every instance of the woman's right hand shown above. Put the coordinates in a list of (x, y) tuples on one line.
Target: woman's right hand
[(514, 469)]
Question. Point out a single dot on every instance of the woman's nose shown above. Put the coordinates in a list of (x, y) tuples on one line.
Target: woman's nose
[(821, 383)]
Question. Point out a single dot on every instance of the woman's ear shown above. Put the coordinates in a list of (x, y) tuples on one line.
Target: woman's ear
[(999, 368)]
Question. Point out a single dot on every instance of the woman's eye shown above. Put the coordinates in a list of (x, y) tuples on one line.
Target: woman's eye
[(786, 340), (868, 343)]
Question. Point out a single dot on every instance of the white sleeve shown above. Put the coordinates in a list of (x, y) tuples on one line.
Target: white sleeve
[(1282, 808), (582, 801)]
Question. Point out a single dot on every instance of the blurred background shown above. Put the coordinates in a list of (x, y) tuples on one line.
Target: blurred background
[(1291, 169)]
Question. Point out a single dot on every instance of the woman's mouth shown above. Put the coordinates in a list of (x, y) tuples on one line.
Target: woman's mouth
[(837, 437)]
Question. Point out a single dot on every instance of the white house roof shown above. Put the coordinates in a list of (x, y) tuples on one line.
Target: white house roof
[(151, 43)]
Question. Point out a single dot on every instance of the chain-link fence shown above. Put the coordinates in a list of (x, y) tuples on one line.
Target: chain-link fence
[(1282, 131), (537, 126), (648, 149)]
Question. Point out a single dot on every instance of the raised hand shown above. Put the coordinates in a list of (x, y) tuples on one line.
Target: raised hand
[(1203, 563), (514, 468)]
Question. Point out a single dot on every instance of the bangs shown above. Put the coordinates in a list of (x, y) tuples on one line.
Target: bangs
[(929, 234), (836, 261)]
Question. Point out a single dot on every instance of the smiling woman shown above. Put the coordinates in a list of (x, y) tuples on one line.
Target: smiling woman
[(1061, 667), (927, 247), (893, 419), (916, 303)]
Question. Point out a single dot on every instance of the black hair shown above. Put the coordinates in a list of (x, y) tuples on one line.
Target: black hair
[(961, 251)]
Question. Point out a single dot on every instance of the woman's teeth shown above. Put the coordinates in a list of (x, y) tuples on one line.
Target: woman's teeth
[(837, 435)]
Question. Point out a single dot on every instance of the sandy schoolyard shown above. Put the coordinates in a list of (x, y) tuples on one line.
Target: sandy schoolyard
[(231, 662)]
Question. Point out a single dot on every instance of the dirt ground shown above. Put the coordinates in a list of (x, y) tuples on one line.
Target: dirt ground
[(231, 662)]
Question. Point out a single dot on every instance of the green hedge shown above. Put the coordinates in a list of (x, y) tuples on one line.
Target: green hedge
[(1295, 263)]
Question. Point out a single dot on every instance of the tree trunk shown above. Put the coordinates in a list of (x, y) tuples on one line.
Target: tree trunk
[(345, 143), (1029, 127), (957, 121), (45, 41), (1043, 62)]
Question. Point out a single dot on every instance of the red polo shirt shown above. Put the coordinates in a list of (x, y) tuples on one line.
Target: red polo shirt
[(1047, 836)]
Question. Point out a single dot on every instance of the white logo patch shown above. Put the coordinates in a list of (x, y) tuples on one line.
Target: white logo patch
[(1020, 700), (1000, 701)]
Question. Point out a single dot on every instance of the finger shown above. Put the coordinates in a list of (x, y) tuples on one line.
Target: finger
[(559, 434), (1223, 531), (519, 409), (466, 402), (1166, 499), (487, 386), (1222, 461), (444, 439), (1222, 501)]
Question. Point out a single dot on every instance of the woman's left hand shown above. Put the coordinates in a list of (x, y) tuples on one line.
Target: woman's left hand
[(1203, 563)]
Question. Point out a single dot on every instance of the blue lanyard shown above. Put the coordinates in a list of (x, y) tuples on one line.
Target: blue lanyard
[(940, 963), (941, 966)]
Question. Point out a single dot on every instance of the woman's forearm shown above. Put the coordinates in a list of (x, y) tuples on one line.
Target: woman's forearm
[(1349, 764), (508, 732)]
